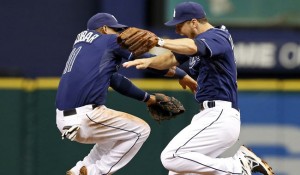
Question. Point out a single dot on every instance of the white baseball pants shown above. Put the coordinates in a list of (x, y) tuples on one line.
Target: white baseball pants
[(117, 137), (194, 150)]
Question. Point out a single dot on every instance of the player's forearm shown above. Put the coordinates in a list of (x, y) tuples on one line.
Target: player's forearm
[(184, 46), (175, 72), (163, 61), (124, 86)]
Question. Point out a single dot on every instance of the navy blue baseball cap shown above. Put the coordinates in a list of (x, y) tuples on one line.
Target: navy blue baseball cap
[(186, 11), (101, 19)]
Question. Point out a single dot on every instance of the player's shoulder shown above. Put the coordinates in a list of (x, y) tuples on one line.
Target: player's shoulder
[(222, 29), (112, 37), (94, 37), (87, 36), (215, 33)]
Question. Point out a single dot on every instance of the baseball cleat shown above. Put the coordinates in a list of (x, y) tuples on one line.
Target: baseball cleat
[(255, 163), (246, 170), (70, 173), (83, 171)]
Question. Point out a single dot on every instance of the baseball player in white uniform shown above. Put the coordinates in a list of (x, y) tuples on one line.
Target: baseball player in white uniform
[(81, 96), (209, 51)]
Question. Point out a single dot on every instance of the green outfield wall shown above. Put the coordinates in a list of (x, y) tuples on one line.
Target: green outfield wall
[(246, 13), (31, 143)]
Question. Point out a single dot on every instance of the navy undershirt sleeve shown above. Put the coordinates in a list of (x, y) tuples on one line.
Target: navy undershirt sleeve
[(125, 87), (158, 72), (146, 55)]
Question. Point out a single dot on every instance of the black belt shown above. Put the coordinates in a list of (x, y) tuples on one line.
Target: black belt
[(210, 104), (73, 111)]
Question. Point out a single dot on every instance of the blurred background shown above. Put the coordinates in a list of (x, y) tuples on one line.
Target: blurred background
[(37, 37)]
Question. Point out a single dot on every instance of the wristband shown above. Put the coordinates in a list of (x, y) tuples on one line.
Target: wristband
[(161, 42), (146, 97), (179, 73)]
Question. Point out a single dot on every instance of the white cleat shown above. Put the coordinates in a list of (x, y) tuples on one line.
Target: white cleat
[(255, 164), (246, 170)]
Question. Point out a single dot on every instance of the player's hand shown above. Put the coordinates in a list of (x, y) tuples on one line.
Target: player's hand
[(138, 63), (70, 132), (188, 81), (151, 101)]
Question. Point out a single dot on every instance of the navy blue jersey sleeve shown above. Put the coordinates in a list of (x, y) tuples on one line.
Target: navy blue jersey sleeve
[(212, 43), (125, 87), (202, 48), (124, 53)]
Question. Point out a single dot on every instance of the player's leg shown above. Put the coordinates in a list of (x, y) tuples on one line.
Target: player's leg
[(195, 148), (62, 121), (127, 132), (252, 163), (95, 154), (83, 137)]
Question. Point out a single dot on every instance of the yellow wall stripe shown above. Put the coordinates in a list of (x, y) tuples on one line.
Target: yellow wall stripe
[(51, 83), (269, 85)]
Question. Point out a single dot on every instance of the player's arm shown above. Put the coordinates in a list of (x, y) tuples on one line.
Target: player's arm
[(160, 62), (125, 87), (173, 72), (184, 46), (183, 78)]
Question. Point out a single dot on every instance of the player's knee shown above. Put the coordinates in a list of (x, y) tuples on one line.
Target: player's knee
[(166, 158), (144, 130)]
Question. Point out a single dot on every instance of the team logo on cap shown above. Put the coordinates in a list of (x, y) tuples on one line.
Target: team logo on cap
[(174, 13)]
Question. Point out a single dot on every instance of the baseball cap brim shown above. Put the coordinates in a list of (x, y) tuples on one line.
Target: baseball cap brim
[(117, 26), (174, 22)]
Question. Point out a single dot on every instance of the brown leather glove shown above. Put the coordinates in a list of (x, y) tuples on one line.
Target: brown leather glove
[(137, 41), (165, 107)]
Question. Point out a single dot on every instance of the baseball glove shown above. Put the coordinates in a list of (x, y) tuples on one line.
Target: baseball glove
[(137, 41), (165, 107)]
